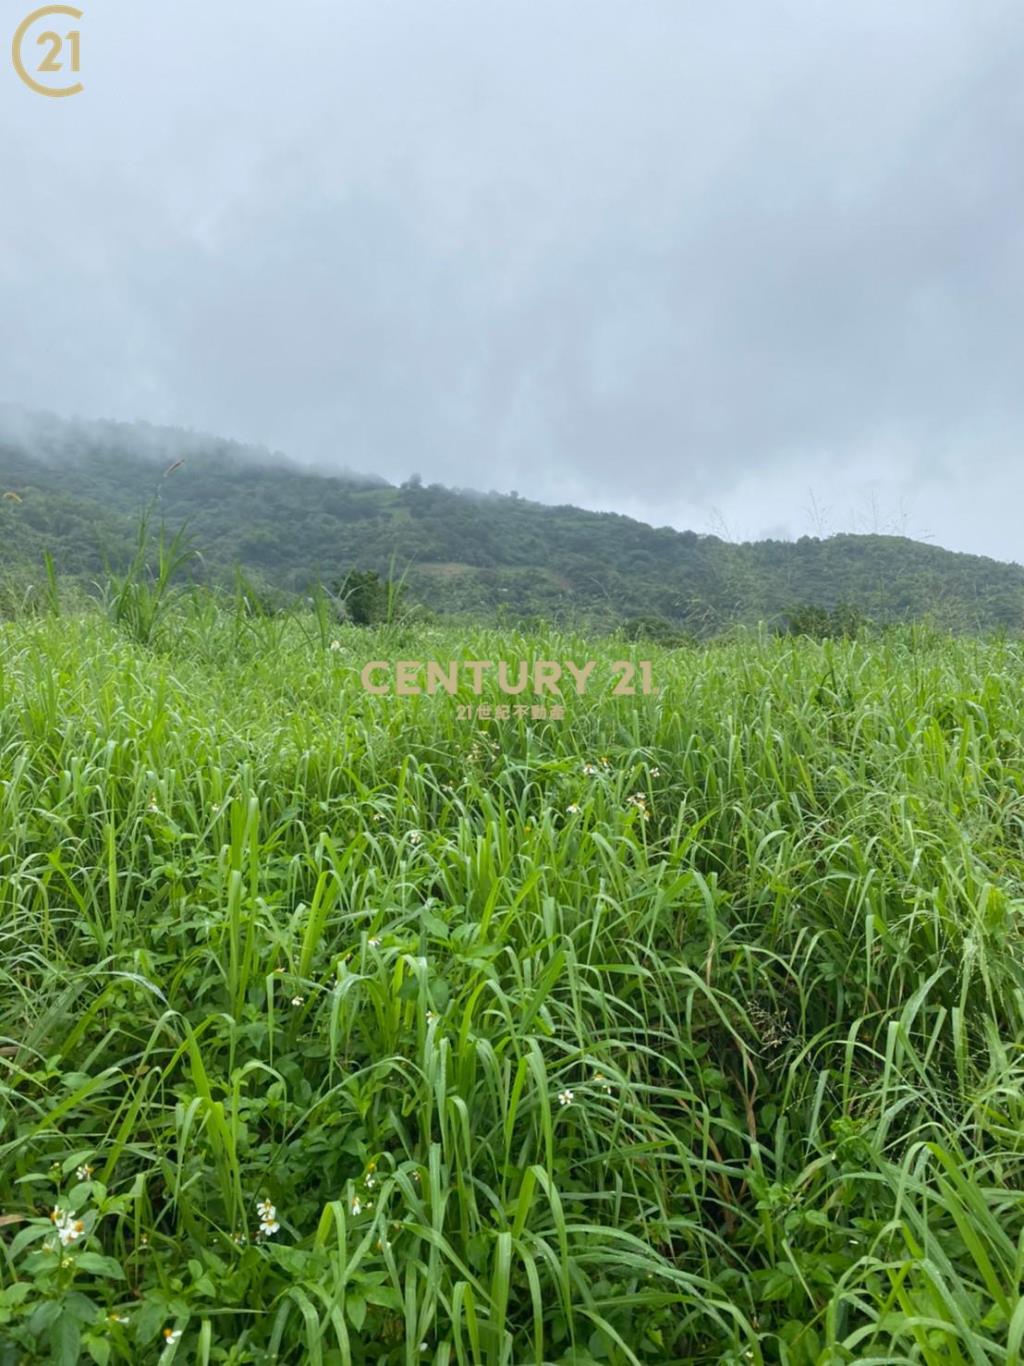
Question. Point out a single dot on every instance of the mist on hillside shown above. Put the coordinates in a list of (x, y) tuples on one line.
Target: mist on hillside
[(55, 441)]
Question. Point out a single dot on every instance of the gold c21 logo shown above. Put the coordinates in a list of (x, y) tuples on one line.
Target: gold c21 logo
[(59, 51)]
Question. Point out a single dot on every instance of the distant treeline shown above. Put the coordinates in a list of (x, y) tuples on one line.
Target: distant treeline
[(78, 491)]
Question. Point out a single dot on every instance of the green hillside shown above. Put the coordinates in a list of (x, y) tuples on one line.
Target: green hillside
[(76, 489)]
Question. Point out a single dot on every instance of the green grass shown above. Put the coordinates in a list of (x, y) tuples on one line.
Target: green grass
[(265, 937)]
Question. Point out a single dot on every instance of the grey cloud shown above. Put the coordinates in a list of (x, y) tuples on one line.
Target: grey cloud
[(687, 262)]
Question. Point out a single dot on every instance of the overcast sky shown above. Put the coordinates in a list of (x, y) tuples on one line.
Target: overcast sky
[(747, 268)]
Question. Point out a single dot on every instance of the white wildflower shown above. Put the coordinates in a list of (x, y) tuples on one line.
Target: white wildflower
[(335, 645), (83, 1172), (297, 1000), (590, 770), (268, 1218), (415, 837), (572, 809), (565, 1097), (374, 943), (171, 1336), (69, 1229)]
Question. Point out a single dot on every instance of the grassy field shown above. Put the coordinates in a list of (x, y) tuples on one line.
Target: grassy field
[(684, 1029)]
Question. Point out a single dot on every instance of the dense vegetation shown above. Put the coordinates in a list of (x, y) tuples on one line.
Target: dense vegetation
[(684, 1029), (77, 490)]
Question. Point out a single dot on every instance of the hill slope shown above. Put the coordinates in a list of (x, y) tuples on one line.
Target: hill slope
[(82, 486)]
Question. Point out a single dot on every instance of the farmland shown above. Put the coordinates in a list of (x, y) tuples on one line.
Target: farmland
[(335, 1028)]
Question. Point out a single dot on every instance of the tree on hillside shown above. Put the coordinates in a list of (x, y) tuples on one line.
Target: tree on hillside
[(366, 598), (841, 623)]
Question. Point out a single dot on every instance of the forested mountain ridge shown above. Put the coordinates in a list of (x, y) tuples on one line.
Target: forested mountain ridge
[(77, 490)]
